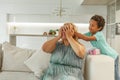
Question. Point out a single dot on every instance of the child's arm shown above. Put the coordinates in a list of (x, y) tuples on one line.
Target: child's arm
[(84, 37)]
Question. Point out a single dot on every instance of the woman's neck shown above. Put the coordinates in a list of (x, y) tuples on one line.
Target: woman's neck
[(65, 42)]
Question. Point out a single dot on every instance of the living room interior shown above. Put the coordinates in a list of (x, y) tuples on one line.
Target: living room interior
[(29, 23)]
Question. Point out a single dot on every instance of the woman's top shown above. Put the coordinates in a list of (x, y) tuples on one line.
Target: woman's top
[(64, 65)]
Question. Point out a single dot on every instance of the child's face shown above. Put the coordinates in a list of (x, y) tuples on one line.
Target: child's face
[(93, 27)]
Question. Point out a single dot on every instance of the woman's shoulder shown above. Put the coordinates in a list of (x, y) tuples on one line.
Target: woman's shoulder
[(59, 42)]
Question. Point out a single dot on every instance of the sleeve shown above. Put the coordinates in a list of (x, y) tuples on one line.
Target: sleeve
[(87, 34), (98, 35)]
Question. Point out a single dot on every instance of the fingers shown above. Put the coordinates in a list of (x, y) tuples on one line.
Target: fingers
[(60, 31), (70, 28), (66, 27)]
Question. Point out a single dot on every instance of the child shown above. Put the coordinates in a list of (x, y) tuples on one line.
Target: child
[(97, 39)]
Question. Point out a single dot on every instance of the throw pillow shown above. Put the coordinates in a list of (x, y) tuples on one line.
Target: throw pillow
[(14, 57), (38, 62)]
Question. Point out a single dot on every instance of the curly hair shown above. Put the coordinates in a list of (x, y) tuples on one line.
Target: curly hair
[(100, 21)]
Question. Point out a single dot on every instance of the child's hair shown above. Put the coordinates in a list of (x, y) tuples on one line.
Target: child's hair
[(100, 21)]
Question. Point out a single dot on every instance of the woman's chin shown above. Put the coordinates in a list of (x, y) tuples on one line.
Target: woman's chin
[(64, 38)]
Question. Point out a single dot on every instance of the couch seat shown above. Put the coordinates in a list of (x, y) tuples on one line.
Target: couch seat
[(5, 75)]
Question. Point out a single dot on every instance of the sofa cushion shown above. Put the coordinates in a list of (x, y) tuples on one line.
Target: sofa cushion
[(14, 57), (17, 76), (0, 56), (38, 62)]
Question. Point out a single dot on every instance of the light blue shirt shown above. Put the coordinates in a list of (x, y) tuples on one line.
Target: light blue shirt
[(101, 44), (64, 65)]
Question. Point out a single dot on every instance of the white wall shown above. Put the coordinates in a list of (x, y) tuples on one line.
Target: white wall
[(117, 37), (118, 16), (43, 14), (3, 27), (116, 43)]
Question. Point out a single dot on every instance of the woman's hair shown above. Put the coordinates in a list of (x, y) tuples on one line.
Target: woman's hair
[(75, 30), (100, 21)]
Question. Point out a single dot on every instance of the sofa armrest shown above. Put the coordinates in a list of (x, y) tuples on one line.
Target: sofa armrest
[(99, 67)]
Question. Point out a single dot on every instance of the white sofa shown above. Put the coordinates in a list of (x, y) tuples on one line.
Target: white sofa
[(98, 67), (13, 72)]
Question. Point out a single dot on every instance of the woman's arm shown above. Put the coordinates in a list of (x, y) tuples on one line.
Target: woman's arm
[(50, 45), (84, 37), (77, 47)]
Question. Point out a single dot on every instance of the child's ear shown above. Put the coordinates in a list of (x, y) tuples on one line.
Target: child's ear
[(99, 28)]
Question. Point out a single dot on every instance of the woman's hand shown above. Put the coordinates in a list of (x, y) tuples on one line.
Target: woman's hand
[(60, 33), (69, 32), (77, 47)]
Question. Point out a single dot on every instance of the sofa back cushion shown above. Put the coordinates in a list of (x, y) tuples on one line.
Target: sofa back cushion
[(14, 57), (0, 56)]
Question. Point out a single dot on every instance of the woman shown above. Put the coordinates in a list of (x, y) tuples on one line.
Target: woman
[(67, 55)]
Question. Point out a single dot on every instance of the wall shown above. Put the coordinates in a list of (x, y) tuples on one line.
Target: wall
[(113, 18), (117, 37), (3, 28), (35, 13), (118, 16)]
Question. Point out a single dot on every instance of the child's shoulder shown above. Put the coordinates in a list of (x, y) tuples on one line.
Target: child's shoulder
[(99, 33)]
